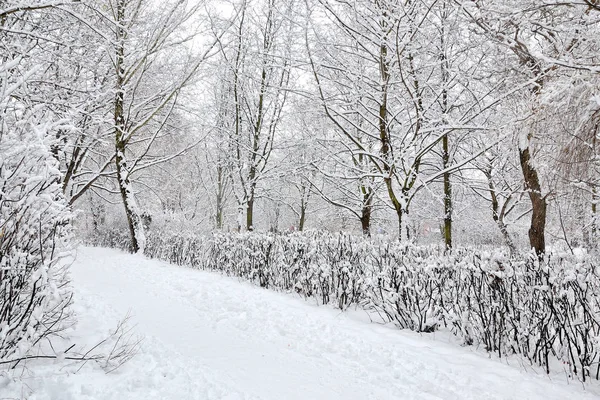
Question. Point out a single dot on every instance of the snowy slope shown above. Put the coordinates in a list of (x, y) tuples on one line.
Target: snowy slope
[(212, 337)]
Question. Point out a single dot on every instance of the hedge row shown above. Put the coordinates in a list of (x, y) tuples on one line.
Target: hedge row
[(545, 311)]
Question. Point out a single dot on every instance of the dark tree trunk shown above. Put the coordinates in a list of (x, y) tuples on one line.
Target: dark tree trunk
[(447, 195), (365, 221), (537, 238), (220, 196), (302, 216), (250, 214), (367, 204), (400, 215), (445, 67)]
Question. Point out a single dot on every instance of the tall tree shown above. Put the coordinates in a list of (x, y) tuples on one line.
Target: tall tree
[(372, 60), (545, 40), (142, 53), (259, 66)]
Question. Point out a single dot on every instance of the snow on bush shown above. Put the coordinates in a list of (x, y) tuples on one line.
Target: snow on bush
[(34, 220), (545, 311)]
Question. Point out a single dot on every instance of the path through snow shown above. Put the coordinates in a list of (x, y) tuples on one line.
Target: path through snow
[(213, 337)]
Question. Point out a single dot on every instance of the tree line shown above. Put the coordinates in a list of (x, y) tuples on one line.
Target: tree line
[(369, 115)]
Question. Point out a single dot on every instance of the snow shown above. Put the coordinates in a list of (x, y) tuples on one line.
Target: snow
[(523, 140), (213, 337)]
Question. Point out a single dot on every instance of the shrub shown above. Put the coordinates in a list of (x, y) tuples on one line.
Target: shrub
[(34, 293)]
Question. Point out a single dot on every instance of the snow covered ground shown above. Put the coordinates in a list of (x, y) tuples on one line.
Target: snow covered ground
[(211, 337)]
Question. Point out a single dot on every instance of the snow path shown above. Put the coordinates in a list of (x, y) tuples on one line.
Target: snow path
[(221, 338)]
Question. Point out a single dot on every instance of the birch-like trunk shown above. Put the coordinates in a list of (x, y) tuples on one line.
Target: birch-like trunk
[(134, 221)]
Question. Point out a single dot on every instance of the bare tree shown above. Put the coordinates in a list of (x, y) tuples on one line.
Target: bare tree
[(259, 66), (376, 65), (142, 108), (557, 29)]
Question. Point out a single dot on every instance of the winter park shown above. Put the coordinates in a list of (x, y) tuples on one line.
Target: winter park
[(299, 199)]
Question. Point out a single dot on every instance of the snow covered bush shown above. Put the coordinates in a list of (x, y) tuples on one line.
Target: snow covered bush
[(34, 224), (548, 311)]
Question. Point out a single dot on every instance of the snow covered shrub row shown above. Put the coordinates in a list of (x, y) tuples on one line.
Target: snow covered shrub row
[(548, 312), (33, 225)]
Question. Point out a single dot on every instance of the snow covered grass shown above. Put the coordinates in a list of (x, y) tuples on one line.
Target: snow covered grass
[(213, 337), (547, 312)]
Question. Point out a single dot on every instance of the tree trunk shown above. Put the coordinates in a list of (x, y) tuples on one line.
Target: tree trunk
[(400, 214), (445, 66), (447, 195), (537, 238), (384, 135), (302, 215), (220, 195), (136, 228), (506, 236), (365, 218), (498, 214), (134, 221), (249, 213), (365, 221), (397, 206)]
